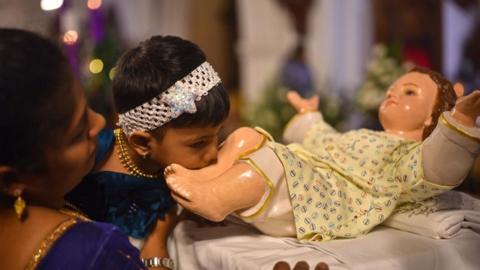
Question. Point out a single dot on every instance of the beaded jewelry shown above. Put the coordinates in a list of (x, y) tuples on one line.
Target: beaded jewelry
[(126, 160)]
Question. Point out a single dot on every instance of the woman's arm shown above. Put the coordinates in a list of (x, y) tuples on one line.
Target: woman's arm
[(156, 241)]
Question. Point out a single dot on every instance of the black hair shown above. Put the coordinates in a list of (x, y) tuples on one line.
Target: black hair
[(149, 69), (35, 98)]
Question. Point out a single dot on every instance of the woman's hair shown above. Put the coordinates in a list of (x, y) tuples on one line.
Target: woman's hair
[(149, 69), (35, 98), (446, 97)]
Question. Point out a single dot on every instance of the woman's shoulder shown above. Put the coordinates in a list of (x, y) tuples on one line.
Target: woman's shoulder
[(90, 245)]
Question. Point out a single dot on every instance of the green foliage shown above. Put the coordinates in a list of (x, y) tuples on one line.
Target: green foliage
[(272, 112), (382, 70)]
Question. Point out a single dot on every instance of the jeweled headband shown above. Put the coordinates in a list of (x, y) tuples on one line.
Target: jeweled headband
[(170, 104)]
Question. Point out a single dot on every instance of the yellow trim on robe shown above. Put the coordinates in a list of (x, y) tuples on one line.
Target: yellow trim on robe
[(457, 129), (270, 187), (265, 137), (258, 146)]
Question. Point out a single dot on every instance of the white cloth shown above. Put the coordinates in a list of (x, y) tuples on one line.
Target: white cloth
[(443, 216), (239, 247)]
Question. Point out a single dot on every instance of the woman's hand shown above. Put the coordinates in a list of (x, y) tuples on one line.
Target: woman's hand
[(302, 105), (302, 265), (156, 242), (467, 109)]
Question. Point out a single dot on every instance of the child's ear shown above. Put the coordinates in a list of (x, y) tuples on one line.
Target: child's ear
[(140, 142), (459, 90)]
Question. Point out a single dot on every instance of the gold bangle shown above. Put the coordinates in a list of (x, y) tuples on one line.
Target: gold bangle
[(304, 111), (159, 262)]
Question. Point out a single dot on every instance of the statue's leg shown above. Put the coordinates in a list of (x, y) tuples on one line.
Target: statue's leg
[(239, 187)]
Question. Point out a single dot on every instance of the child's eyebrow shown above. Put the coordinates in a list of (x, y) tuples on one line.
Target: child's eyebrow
[(194, 139), (410, 84), (202, 137)]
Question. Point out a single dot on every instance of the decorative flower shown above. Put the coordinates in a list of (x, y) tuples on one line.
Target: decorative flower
[(180, 101)]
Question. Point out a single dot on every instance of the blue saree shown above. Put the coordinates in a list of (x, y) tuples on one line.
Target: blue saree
[(130, 202), (85, 245)]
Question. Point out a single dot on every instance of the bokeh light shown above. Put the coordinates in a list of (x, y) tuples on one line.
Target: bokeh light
[(111, 73), (94, 4), (70, 37), (50, 4), (95, 66)]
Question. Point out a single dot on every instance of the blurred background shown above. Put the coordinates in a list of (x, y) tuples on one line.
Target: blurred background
[(347, 51)]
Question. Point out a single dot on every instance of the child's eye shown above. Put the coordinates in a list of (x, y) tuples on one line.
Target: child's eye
[(197, 145), (410, 92)]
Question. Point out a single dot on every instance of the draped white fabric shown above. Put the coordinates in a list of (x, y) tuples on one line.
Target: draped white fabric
[(457, 26), (338, 43), (265, 38), (140, 20)]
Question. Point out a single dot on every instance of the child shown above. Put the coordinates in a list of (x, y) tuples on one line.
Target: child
[(171, 106), (326, 184)]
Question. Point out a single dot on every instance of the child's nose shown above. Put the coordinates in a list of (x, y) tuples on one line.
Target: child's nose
[(391, 94), (210, 156)]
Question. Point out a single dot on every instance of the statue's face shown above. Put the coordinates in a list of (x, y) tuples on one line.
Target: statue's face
[(408, 103)]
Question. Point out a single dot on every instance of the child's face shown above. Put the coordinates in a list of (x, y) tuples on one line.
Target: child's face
[(193, 148), (409, 103)]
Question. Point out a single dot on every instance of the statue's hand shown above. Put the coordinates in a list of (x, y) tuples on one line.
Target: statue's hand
[(302, 105), (467, 109)]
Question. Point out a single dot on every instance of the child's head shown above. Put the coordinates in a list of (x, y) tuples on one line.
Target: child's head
[(171, 102), (415, 102), (445, 99)]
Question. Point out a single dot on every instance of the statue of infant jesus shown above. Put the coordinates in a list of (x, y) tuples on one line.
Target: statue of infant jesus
[(324, 184)]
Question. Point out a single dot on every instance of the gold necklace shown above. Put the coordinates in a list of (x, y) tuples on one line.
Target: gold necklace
[(126, 160)]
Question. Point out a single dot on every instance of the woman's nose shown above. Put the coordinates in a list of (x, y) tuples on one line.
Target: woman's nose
[(97, 123)]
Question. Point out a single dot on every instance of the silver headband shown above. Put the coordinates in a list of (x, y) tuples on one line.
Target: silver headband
[(170, 104)]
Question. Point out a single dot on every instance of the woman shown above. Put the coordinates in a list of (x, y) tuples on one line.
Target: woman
[(48, 144)]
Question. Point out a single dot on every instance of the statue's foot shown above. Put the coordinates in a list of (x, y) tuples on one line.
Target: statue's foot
[(239, 188), (198, 197), (178, 170)]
